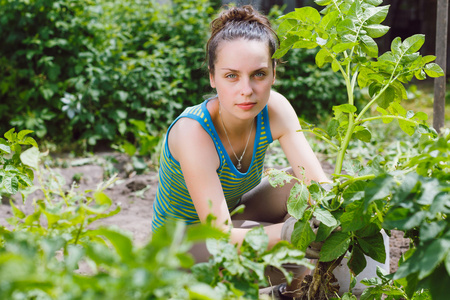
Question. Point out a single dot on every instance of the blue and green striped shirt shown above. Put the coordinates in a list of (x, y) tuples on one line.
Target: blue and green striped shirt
[(172, 197)]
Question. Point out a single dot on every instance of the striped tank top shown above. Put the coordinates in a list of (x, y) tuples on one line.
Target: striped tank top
[(172, 196)]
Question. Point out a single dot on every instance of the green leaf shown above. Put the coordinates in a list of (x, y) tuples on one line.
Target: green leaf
[(378, 189), (400, 90), (305, 44), (323, 232), (385, 99), (425, 259), (30, 157), (302, 235), (407, 127), (388, 58), (16, 211), (399, 218), (201, 232), (434, 254), (439, 282), (433, 70), (332, 127), (447, 263), (323, 57), (341, 47), (74, 255), (298, 200), (335, 66), (5, 148), (335, 246), (396, 46), (376, 30), (409, 182), (374, 2), (329, 20), (25, 180), (30, 141), (375, 15), (286, 26), (357, 262), (413, 43), (362, 134), (102, 199), (23, 133), (347, 28), (429, 231), (373, 246), (307, 14), (344, 108), (10, 184), (369, 46), (278, 178), (355, 191), (325, 217), (323, 2), (257, 239), (428, 58), (285, 45), (122, 244), (354, 218), (363, 77), (10, 135)]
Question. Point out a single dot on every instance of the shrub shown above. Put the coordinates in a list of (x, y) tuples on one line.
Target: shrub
[(79, 71)]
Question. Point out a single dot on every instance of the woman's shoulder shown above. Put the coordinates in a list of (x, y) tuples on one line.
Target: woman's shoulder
[(278, 105), (188, 137), (282, 116)]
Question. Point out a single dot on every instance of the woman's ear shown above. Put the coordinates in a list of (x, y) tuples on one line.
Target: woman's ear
[(211, 80), (274, 72)]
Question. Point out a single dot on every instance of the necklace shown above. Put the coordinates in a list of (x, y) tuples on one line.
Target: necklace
[(238, 166)]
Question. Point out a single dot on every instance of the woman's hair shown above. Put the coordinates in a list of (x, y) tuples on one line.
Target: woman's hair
[(240, 22)]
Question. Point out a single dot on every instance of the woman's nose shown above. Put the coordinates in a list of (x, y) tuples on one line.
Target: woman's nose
[(246, 88)]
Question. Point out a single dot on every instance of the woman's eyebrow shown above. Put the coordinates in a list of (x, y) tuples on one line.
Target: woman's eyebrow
[(237, 71)]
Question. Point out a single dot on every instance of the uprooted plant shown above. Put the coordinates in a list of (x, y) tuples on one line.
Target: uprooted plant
[(351, 213)]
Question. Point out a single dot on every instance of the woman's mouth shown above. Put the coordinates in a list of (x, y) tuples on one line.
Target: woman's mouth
[(246, 106)]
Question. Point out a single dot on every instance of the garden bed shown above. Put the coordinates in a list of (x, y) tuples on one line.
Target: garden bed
[(135, 194)]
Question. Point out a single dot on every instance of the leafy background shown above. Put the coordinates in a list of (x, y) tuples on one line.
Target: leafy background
[(89, 73)]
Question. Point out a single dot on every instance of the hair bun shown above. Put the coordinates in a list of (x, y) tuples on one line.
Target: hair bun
[(245, 13)]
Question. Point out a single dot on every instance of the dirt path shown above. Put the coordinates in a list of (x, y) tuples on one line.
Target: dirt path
[(135, 193)]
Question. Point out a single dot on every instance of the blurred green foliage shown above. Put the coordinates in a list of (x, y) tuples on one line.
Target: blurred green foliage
[(312, 91), (84, 72)]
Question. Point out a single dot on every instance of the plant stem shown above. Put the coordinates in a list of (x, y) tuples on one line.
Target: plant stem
[(388, 117), (354, 179), (79, 232), (348, 135), (321, 137), (368, 105)]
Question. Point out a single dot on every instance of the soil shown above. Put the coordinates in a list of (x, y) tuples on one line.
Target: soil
[(135, 194)]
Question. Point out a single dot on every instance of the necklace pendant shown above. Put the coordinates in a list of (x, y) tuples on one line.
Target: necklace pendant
[(239, 166)]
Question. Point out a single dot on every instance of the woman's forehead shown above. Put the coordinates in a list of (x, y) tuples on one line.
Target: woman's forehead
[(235, 53)]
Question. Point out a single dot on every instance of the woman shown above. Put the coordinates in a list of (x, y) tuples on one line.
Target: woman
[(213, 155)]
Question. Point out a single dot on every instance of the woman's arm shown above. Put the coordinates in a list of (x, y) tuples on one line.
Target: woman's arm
[(285, 125), (193, 148)]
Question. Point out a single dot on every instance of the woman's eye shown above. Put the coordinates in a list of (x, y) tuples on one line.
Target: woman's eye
[(260, 74), (231, 76)]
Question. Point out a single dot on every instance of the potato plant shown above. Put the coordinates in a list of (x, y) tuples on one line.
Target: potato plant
[(56, 251), (363, 198)]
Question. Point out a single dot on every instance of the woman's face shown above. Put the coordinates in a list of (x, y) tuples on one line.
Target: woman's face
[(243, 77)]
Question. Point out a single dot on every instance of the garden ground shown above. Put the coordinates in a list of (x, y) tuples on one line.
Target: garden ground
[(135, 194)]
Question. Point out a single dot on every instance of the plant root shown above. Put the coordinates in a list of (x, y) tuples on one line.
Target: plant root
[(322, 285)]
